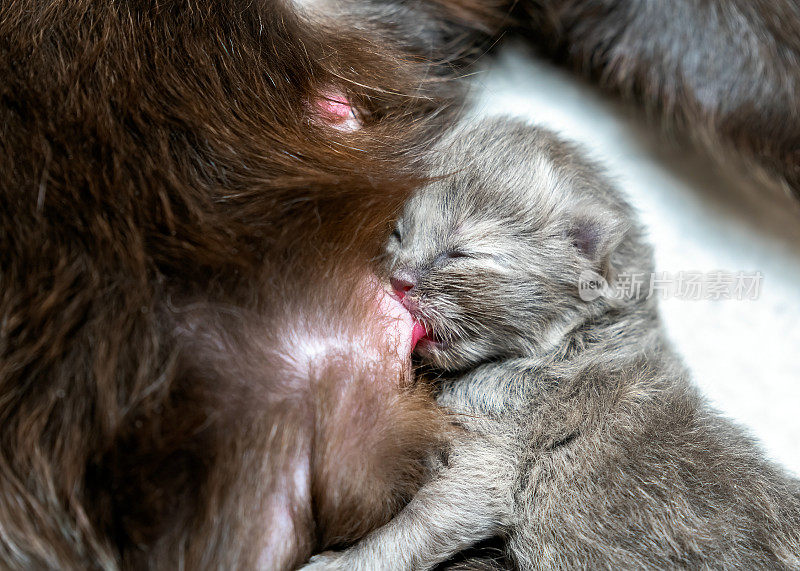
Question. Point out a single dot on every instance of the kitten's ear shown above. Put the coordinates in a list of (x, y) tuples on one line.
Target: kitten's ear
[(596, 231)]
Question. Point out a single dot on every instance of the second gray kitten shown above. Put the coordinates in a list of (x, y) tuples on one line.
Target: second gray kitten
[(585, 444)]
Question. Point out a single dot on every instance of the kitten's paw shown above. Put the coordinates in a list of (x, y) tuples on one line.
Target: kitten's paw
[(328, 560)]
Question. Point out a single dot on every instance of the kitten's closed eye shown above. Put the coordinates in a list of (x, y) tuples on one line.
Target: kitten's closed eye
[(451, 255), (396, 235)]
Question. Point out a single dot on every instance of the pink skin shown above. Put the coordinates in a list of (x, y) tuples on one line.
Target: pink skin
[(402, 331), (387, 335), (399, 330), (335, 110)]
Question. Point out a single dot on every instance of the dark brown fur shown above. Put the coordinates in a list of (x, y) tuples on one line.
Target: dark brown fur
[(171, 208)]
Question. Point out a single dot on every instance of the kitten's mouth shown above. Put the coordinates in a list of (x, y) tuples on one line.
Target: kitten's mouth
[(422, 334), (418, 333), (424, 338)]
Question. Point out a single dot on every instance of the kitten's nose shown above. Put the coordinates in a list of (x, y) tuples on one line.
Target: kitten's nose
[(402, 283)]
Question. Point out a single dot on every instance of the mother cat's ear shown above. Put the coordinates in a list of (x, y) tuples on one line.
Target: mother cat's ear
[(596, 231)]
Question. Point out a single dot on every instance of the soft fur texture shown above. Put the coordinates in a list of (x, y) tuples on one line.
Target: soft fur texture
[(587, 444), (183, 373), (192, 374), (723, 72)]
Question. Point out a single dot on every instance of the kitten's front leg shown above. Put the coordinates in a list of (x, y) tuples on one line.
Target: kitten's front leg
[(470, 500)]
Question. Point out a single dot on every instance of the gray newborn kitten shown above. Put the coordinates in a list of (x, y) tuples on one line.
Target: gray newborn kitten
[(585, 443)]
